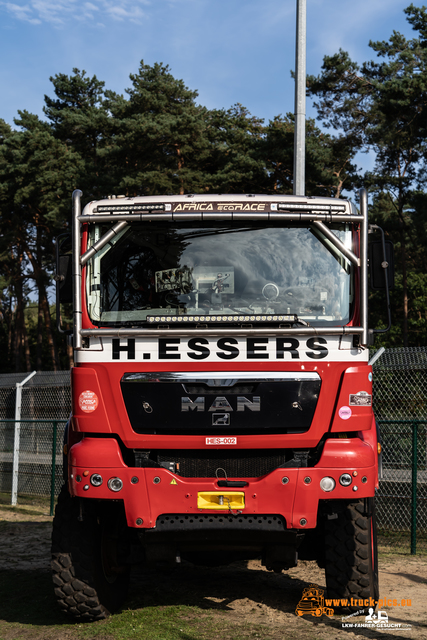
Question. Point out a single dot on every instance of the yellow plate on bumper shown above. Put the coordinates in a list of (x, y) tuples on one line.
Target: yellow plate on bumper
[(221, 500)]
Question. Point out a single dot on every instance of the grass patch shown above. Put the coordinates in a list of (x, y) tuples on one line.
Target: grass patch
[(30, 505), (28, 610), (177, 623), (399, 542)]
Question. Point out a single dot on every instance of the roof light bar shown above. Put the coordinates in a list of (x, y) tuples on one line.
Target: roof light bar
[(221, 318), (286, 206), (111, 208)]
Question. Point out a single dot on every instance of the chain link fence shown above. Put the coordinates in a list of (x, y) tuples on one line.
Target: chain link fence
[(33, 413), (400, 405)]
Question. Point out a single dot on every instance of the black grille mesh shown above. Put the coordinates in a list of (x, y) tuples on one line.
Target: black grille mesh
[(238, 464)]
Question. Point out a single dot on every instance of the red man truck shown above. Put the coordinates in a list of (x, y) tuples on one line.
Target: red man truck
[(221, 393)]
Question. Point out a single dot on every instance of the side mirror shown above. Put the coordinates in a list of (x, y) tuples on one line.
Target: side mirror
[(381, 269), (64, 282), (380, 263)]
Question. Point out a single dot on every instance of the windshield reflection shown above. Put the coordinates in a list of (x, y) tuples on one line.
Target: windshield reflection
[(150, 270)]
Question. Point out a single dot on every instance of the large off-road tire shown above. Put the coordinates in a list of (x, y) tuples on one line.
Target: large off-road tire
[(90, 575), (351, 560)]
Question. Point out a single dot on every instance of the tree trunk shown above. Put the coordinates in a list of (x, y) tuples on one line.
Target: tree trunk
[(405, 287), (39, 336), (43, 301)]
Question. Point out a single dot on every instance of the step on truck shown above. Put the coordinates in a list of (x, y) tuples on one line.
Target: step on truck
[(221, 392)]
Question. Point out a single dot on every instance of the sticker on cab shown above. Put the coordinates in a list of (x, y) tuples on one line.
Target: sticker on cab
[(361, 399), (88, 401), (344, 413)]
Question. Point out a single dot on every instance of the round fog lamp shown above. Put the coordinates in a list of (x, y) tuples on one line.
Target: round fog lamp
[(96, 480), (327, 484), (345, 479), (115, 484)]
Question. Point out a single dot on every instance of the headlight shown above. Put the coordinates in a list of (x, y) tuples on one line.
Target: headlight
[(327, 484), (96, 480), (115, 484), (345, 479)]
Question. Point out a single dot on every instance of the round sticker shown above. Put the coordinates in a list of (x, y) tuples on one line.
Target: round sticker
[(88, 401), (370, 377), (344, 413)]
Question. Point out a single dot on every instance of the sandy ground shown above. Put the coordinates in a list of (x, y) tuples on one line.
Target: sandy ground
[(244, 591)]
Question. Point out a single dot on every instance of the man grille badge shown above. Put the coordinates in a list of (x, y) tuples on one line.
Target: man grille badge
[(220, 419)]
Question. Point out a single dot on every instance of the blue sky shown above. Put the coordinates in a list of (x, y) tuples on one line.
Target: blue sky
[(228, 50)]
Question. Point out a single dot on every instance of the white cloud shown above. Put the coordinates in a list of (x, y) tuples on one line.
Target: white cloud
[(125, 11), (21, 12), (59, 12)]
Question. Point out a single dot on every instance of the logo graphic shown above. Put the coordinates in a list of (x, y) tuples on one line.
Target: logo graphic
[(220, 419), (221, 403), (381, 617), (376, 621), (361, 399), (88, 401), (344, 413), (313, 603)]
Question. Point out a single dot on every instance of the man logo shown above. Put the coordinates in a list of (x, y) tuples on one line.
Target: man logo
[(222, 404), (220, 419)]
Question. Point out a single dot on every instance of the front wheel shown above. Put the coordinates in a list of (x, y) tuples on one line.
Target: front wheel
[(351, 558), (90, 574)]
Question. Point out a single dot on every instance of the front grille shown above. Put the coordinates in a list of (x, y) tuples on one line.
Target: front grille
[(238, 464)]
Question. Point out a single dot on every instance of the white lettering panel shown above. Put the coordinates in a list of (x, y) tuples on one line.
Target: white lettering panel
[(222, 349)]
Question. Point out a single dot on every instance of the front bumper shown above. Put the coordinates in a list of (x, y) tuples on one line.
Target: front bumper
[(293, 493)]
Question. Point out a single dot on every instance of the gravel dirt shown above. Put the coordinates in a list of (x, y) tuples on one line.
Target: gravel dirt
[(243, 592)]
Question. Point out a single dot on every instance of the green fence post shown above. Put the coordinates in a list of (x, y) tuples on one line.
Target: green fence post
[(52, 479), (414, 489)]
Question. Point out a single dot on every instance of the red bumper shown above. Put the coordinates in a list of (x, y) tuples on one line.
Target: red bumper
[(293, 493)]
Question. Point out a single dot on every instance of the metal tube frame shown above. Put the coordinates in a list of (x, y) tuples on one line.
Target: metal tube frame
[(314, 218), (363, 194), (229, 217), (77, 271), (337, 243), (102, 241), (216, 331)]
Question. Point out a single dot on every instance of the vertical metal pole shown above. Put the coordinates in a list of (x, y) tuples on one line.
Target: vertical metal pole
[(77, 271), (52, 478), (17, 438), (414, 489), (300, 91), (363, 194)]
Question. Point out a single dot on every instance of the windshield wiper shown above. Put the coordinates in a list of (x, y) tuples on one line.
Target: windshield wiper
[(299, 322)]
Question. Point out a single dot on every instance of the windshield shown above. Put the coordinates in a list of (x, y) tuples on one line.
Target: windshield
[(149, 272)]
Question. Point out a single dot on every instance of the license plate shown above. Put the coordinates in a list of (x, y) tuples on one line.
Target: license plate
[(224, 440)]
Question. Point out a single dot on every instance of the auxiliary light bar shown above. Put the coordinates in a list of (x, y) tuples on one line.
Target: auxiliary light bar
[(282, 206), (221, 318), (109, 208)]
